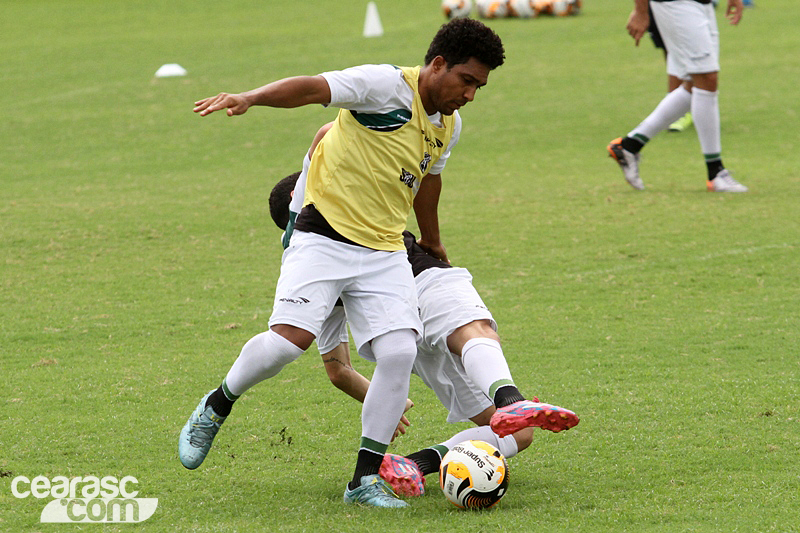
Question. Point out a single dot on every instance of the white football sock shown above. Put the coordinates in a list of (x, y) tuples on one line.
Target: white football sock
[(262, 357), (485, 364), (507, 445), (672, 107), (705, 113), (388, 391)]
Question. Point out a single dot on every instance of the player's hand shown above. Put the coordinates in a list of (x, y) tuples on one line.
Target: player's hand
[(409, 405), (437, 250), (638, 23), (401, 427), (735, 11), (236, 104), (404, 423)]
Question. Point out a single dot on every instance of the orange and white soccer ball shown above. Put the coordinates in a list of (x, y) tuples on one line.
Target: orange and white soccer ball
[(560, 8), (521, 8), (473, 475), (456, 8), (563, 8), (492, 9)]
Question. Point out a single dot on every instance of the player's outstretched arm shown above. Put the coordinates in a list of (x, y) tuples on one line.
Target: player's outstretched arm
[(288, 92)]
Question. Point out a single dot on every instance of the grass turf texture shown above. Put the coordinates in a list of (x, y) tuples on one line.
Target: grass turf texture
[(138, 256)]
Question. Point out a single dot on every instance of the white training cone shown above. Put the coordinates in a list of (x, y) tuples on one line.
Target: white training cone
[(372, 24), (169, 70)]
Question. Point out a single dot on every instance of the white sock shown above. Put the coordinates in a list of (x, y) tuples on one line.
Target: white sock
[(388, 391), (485, 364), (672, 107), (507, 445), (262, 357), (705, 113)]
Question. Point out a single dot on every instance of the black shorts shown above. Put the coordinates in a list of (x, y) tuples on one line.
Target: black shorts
[(654, 33)]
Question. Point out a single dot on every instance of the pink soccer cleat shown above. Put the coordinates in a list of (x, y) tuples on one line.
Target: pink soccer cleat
[(403, 475), (520, 415)]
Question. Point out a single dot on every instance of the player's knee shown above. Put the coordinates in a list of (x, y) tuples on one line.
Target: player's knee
[(484, 417), (708, 81), (297, 336), (399, 346), (477, 329)]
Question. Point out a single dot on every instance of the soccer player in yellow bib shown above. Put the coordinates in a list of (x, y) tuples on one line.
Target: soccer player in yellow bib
[(383, 156), (460, 357)]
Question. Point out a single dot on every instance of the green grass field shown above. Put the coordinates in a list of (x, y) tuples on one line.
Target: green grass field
[(137, 257)]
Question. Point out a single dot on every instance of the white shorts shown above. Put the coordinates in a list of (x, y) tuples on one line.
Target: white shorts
[(448, 301), (690, 34), (444, 374), (377, 289), (333, 332)]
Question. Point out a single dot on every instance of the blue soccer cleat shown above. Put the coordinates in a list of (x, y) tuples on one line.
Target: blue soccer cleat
[(373, 491), (198, 434)]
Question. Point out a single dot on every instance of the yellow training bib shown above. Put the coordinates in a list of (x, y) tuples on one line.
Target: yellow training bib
[(363, 181)]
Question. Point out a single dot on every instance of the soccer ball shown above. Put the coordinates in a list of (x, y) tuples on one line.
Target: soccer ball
[(561, 8), (542, 7), (492, 9), (521, 8), (566, 7), (456, 8), (473, 475)]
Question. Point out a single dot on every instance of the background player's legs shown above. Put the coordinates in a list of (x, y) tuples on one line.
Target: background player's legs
[(673, 82), (672, 107), (705, 109)]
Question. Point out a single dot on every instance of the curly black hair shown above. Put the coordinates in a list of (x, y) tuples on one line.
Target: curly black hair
[(279, 200), (464, 38)]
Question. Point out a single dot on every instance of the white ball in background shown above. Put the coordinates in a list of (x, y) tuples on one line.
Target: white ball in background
[(521, 9)]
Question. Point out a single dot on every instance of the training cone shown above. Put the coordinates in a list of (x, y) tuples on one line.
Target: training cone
[(169, 70), (372, 23)]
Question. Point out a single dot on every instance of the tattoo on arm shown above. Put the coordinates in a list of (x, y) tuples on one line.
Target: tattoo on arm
[(336, 360)]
